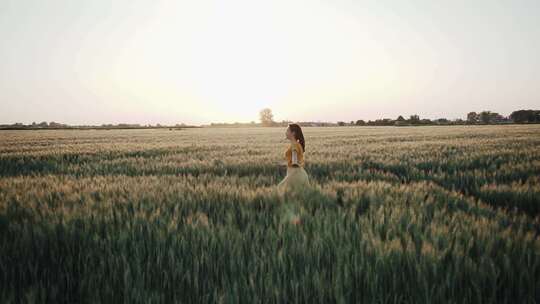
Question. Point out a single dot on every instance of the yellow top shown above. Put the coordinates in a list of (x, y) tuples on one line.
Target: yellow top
[(295, 155)]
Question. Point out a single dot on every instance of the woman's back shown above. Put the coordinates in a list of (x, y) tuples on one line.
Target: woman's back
[(295, 155)]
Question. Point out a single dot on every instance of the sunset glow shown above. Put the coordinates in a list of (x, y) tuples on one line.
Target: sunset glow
[(204, 61)]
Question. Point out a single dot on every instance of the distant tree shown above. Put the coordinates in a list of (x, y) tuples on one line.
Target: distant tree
[(387, 122), (381, 122), (525, 116), (472, 117), (488, 117), (484, 117), (414, 119), (266, 117), (400, 118), (341, 123), (442, 121), (360, 122)]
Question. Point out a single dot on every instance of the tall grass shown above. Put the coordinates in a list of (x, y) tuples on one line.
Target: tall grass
[(394, 215)]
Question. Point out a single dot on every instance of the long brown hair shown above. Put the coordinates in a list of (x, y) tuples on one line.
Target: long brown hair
[(295, 128)]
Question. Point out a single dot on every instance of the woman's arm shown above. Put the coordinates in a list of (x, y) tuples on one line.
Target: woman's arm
[(294, 159)]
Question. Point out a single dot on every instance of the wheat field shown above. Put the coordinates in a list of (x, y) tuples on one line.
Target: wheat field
[(393, 215)]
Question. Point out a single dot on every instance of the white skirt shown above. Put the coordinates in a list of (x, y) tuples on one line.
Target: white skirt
[(296, 179)]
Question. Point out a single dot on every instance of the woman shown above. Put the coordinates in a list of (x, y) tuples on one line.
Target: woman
[(296, 175)]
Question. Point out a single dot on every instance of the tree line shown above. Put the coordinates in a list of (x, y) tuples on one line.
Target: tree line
[(55, 125), (473, 118), (266, 118)]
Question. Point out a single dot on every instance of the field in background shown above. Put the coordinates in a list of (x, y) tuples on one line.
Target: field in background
[(411, 214)]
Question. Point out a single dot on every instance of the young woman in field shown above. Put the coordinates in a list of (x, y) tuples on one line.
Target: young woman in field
[(296, 175)]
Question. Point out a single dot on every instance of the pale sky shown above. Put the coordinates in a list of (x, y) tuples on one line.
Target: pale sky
[(201, 61)]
